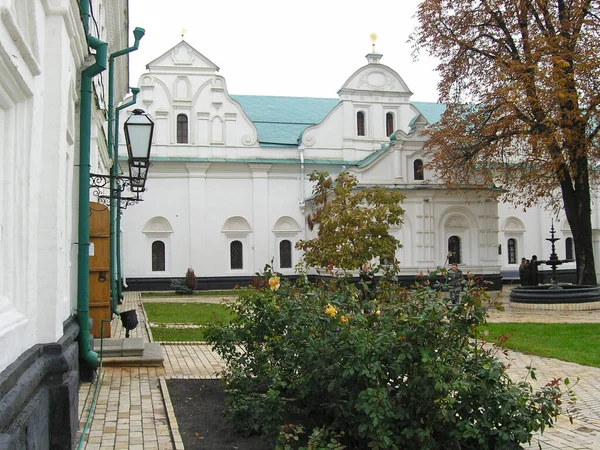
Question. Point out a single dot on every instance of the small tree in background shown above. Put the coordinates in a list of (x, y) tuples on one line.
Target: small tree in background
[(191, 281), (353, 223)]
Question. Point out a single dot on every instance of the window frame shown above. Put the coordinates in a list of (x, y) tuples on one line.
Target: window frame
[(454, 258), (290, 255), (418, 170), (183, 132), (569, 249), (389, 124), (164, 256), (511, 251), (231, 259), (360, 123)]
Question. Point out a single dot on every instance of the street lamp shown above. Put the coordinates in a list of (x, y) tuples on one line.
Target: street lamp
[(138, 136)]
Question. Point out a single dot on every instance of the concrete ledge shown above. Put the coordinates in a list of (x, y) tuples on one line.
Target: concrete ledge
[(151, 356), (556, 306)]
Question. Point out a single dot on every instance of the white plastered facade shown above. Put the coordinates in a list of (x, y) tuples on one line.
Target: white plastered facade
[(42, 52), (224, 176)]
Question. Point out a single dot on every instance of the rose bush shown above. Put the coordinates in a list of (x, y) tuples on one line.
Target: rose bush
[(405, 370)]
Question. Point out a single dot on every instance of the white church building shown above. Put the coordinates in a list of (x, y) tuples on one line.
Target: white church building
[(228, 190)]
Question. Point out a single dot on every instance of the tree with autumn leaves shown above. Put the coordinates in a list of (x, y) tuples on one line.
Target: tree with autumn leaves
[(521, 81), (353, 222)]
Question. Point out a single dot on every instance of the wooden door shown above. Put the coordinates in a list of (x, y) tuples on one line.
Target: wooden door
[(99, 276)]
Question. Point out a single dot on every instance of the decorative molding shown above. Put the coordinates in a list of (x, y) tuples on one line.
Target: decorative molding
[(16, 35), (308, 140), (286, 226), (377, 79), (513, 225), (456, 222), (182, 56), (248, 140), (158, 225), (236, 227)]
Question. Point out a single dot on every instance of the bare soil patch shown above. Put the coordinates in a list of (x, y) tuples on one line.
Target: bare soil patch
[(199, 408)]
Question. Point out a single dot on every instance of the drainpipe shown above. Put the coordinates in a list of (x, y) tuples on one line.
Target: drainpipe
[(138, 33), (119, 290), (85, 126), (302, 199)]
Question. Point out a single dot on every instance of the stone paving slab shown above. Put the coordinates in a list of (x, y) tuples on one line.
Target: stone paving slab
[(132, 412)]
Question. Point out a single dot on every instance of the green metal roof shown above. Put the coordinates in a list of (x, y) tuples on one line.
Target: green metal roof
[(431, 111), (373, 156), (280, 121)]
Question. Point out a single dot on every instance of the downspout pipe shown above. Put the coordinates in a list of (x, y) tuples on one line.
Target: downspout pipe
[(138, 33), (119, 290), (85, 125)]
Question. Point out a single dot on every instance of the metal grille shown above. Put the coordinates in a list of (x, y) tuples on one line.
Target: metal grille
[(512, 251), (569, 248), (158, 256), (236, 254), (285, 254), (182, 129)]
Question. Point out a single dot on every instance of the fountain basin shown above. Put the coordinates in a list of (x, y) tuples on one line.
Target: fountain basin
[(567, 297)]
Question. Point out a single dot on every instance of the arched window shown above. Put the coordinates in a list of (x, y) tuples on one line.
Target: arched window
[(360, 123), (512, 251), (236, 254), (182, 129), (158, 256), (285, 254), (569, 248), (389, 124), (454, 255), (418, 167)]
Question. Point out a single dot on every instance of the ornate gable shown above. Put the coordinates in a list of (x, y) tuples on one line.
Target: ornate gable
[(183, 57), (376, 77)]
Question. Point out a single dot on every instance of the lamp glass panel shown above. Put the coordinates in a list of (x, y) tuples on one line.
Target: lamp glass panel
[(139, 140)]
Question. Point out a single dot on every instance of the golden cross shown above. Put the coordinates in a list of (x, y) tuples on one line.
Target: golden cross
[(373, 38)]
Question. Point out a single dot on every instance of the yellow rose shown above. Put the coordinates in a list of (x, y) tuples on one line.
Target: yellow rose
[(344, 319), (274, 283), (330, 310)]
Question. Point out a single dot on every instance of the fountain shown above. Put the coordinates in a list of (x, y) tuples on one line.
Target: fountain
[(555, 296)]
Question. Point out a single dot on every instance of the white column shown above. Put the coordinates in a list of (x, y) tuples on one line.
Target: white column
[(198, 259), (261, 241)]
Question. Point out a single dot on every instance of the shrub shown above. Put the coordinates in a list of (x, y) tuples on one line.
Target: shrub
[(404, 370), (191, 281), (180, 287)]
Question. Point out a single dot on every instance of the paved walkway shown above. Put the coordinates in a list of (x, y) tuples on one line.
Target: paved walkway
[(132, 413)]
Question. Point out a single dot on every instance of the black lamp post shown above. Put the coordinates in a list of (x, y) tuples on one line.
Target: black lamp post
[(138, 136)]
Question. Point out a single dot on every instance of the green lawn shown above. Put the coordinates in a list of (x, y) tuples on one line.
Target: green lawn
[(227, 293), (163, 334), (184, 313), (574, 342), (192, 313)]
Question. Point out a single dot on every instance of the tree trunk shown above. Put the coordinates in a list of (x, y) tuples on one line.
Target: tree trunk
[(577, 204)]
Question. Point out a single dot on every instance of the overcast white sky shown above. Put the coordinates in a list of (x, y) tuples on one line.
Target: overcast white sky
[(277, 47)]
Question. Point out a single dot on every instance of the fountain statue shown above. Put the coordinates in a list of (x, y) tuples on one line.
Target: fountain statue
[(567, 297)]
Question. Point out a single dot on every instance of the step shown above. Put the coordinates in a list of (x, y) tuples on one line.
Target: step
[(119, 347), (151, 356)]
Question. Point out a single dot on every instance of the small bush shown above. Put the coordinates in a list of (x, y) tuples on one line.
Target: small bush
[(180, 287), (191, 281), (402, 370)]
